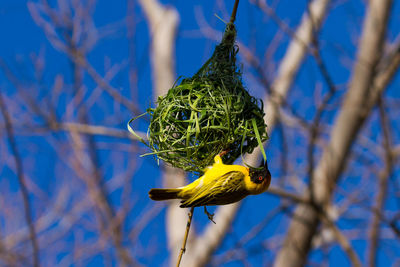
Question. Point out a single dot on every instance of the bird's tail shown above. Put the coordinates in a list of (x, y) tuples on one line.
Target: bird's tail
[(164, 194)]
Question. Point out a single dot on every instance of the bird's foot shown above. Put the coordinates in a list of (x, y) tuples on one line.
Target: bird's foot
[(223, 152), (209, 215)]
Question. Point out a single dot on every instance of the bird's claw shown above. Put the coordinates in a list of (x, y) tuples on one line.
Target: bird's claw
[(209, 215), (223, 152)]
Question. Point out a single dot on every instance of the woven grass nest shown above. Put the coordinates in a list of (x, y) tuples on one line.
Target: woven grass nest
[(207, 113)]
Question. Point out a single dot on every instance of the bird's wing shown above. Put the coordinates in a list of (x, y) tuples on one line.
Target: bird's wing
[(227, 188)]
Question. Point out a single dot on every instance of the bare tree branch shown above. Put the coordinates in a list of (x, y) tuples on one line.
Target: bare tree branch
[(383, 178), (348, 123), (163, 23), (343, 241), (294, 57), (21, 181), (97, 130), (79, 59)]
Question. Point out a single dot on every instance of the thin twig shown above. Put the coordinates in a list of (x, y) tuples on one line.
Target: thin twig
[(96, 179), (233, 15), (315, 128), (342, 240), (80, 60), (383, 177), (287, 195), (21, 181), (248, 237), (183, 249), (96, 130)]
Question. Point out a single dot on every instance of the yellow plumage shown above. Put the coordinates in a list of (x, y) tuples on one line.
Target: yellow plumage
[(221, 184)]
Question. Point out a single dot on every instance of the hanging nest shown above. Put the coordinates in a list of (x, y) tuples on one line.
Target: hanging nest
[(208, 113)]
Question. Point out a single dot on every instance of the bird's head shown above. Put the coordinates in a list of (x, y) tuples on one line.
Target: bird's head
[(260, 174)]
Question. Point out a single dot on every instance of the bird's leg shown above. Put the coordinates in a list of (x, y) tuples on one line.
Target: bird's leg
[(223, 152), (209, 215)]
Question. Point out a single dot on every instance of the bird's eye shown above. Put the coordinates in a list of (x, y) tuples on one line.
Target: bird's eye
[(260, 178)]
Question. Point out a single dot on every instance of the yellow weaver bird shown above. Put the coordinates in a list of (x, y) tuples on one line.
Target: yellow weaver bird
[(221, 184)]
